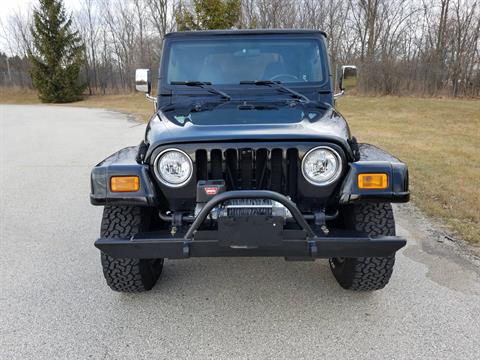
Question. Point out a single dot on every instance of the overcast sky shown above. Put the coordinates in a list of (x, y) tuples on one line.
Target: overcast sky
[(7, 7)]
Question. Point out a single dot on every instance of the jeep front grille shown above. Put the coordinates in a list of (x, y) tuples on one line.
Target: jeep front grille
[(246, 168)]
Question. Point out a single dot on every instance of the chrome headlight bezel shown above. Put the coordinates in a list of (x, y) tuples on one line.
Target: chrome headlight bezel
[(338, 170), (159, 175)]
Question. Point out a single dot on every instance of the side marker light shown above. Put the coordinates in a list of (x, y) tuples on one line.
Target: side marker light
[(124, 183), (372, 181)]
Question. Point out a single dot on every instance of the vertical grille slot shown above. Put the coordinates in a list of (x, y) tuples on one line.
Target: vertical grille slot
[(292, 170), (261, 163), (246, 168), (231, 168), (276, 169), (202, 164), (216, 158)]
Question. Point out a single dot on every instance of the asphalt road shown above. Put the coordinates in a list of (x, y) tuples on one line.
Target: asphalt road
[(54, 303)]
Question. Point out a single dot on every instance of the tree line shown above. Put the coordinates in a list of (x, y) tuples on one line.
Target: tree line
[(422, 47)]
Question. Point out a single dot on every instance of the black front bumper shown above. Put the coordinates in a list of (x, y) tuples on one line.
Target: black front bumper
[(305, 242), (322, 247)]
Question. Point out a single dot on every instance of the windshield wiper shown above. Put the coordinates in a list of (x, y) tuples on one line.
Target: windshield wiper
[(204, 85), (191, 106), (278, 85)]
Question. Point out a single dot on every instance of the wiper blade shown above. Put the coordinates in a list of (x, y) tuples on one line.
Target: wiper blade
[(204, 85), (277, 85), (191, 83), (191, 106)]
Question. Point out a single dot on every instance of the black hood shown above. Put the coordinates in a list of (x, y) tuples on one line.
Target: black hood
[(243, 113), (241, 121)]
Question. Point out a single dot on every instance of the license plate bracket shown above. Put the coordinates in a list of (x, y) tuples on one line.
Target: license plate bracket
[(250, 231)]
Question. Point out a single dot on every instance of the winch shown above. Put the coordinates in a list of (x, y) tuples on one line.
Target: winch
[(236, 207), (250, 207)]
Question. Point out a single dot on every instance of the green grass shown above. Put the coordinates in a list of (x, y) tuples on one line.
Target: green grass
[(439, 139)]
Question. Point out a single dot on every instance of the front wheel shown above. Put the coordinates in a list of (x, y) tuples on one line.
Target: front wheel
[(366, 273), (128, 274)]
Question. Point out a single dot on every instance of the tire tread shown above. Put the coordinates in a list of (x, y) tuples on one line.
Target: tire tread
[(127, 274), (367, 273)]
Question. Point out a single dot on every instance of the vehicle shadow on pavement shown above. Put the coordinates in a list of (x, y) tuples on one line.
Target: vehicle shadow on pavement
[(246, 278), (252, 290)]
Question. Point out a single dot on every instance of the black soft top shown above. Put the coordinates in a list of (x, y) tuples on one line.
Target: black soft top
[(244, 32)]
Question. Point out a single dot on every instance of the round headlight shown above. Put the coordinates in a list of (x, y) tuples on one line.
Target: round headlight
[(173, 167), (321, 166)]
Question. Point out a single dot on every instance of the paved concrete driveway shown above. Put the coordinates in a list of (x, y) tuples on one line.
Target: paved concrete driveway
[(54, 303)]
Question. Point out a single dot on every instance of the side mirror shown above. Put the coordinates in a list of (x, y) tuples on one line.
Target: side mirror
[(143, 83), (348, 78)]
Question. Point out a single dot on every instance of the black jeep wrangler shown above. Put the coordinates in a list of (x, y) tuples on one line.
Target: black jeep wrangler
[(246, 155)]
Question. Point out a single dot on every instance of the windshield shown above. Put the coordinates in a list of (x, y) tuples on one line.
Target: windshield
[(229, 61)]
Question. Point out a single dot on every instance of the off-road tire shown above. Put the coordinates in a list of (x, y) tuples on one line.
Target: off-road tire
[(126, 274), (366, 273)]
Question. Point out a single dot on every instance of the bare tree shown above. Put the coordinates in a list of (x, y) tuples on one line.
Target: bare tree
[(401, 46), (87, 20)]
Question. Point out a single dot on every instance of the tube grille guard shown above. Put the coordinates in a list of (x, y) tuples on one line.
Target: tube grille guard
[(250, 194)]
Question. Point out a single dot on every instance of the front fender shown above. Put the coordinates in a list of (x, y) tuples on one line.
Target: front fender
[(375, 160), (123, 162)]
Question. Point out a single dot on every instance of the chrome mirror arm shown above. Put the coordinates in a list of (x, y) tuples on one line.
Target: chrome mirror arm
[(152, 99)]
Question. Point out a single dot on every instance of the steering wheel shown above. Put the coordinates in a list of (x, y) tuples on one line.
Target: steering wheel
[(285, 76)]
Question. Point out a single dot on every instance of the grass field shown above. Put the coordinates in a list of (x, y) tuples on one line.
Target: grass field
[(437, 138), (134, 104)]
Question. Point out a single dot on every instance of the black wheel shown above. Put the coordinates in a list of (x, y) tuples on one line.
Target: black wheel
[(128, 275), (367, 273)]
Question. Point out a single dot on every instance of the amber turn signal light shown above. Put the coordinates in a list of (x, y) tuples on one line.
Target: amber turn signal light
[(124, 183), (372, 181)]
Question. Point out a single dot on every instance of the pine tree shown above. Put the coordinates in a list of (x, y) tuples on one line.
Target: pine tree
[(209, 14), (57, 54)]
